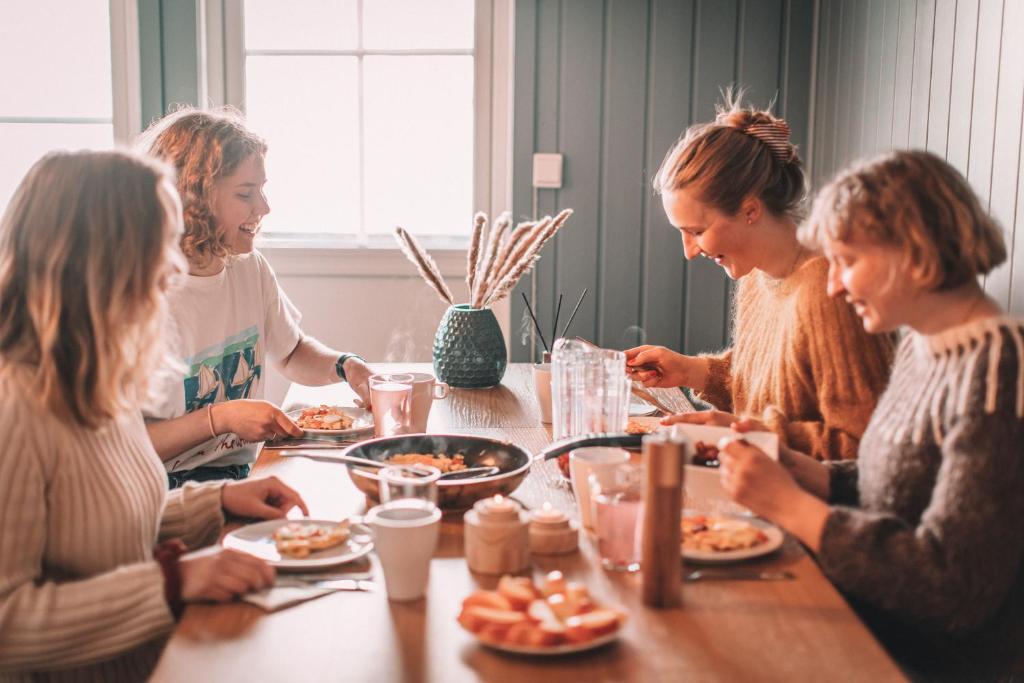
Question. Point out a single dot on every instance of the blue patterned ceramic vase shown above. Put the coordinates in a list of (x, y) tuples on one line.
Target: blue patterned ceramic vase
[(469, 350)]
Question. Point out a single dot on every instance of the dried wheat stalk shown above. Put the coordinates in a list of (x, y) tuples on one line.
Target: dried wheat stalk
[(474, 250), (525, 256), (424, 264), (498, 231)]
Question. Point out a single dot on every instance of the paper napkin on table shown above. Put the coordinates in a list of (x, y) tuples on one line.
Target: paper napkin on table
[(278, 597)]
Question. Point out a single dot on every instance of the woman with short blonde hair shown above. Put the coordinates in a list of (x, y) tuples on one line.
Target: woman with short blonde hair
[(799, 362), (88, 245), (925, 530)]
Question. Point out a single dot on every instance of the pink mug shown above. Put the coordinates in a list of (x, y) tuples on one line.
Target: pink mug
[(425, 390)]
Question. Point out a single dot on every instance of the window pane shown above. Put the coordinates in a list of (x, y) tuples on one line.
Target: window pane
[(307, 109), (24, 143), (419, 144), (308, 25), (56, 59), (407, 24)]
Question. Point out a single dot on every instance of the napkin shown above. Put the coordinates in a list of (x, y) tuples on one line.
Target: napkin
[(278, 597)]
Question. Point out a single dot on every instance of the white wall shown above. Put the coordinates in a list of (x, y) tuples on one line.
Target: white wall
[(367, 301)]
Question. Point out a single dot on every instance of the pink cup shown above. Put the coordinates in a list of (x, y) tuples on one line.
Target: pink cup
[(425, 390)]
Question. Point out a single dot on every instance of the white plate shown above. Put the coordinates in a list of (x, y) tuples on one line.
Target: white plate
[(774, 542), (258, 539), (638, 406), (553, 650), (362, 421)]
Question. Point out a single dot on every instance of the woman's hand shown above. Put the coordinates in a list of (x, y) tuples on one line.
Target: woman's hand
[(711, 418), (756, 481), (261, 497), (221, 574), (252, 420), (358, 374), (656, 366)]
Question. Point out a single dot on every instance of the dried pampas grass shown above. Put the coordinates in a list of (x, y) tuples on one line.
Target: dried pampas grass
[(496, 259), (424, 264)]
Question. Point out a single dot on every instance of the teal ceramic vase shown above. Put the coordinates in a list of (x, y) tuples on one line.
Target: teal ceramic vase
[(469, 350)]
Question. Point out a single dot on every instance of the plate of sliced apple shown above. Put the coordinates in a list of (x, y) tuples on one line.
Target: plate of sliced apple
[(558, 617)]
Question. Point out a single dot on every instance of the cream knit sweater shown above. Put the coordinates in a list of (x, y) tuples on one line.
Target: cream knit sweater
[(802, 362), (80, 513)]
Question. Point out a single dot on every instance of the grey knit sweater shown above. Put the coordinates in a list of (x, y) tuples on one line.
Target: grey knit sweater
[(927, 531)]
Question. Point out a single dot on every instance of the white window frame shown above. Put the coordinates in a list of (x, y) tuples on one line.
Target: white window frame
[(223, 82), (124, 79)]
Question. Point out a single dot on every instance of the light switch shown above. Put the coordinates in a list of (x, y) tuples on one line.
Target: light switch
[(547, 170)]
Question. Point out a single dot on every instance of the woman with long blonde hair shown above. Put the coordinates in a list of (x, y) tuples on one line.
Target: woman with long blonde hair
[(799, 362), (88, 567)]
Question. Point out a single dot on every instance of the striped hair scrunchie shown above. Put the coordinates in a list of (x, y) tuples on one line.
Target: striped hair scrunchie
[(776, 136)]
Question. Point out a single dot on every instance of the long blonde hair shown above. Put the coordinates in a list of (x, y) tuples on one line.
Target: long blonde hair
[(87, 245), (203, 146)]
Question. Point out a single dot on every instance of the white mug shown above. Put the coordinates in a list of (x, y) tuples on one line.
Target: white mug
[(405, 535), (599, 460), (425, 390)]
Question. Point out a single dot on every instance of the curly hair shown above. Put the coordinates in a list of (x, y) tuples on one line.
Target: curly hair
[(744, 152), (916, 201), (203, 147)]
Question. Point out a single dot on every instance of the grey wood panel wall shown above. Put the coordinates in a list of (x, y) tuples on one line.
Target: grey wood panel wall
[(943, 75), (611, 84)]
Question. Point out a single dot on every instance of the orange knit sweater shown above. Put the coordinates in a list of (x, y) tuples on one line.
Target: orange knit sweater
[(802, 362)]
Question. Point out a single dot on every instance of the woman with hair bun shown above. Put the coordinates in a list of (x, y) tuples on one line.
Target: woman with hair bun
[(800, 363)]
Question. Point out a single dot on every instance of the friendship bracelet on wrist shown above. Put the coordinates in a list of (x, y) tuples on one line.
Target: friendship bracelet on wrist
[(209, 417)]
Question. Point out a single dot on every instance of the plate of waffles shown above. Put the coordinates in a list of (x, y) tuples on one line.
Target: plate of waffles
[(302, 543), (326, 420), (718, 538)]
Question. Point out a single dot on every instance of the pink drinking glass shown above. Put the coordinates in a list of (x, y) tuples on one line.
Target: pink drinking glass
[(391, 401), (617, 502)]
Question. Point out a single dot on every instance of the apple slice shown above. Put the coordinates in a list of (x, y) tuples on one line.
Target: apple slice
[(554, 583), (521, 633), (591, 625), (541, 612), (562, 608), (491, 599), (489, 622), (519, 591), (552, 633)]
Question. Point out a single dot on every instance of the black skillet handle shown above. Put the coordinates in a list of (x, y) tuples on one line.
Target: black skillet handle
[(622, 440)]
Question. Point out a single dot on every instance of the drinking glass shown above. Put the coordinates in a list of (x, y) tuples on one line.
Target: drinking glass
[(398, 482), (391, 399), (618, 511), (589, 389)]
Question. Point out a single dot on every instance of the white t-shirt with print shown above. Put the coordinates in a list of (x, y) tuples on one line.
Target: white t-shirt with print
[(225, 326)]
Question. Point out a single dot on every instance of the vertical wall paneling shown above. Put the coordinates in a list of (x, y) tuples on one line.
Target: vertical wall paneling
[(670, 57), (612, 85), (872, 65), (843, 75), (858, 71), (624, 185), (941, 78), (961, 89), (950, 79), (921, 81), (580, 113), (1005, 181)]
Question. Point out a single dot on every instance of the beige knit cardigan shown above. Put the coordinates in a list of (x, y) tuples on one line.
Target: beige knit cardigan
[(80, 513)]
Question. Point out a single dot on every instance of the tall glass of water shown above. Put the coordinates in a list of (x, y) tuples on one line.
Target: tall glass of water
[(391, 401), (589, 389)]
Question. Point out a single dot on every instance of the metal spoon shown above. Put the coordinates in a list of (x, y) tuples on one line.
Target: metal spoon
[(740, 575), (471, 473)]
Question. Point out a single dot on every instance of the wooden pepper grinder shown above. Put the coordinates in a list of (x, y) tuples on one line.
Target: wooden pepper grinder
[(661, 562)]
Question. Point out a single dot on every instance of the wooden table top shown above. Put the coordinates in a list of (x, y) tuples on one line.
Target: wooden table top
[(725, 631)]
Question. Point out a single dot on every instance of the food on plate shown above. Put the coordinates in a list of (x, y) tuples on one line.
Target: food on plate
[(559, 612), (637, 427), (705, 455), (325, 417), (442, 462), (719, 534), (563, 465), (296, 540)]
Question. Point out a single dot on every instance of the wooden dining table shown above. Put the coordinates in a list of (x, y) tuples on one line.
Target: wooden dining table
[(726, 630)]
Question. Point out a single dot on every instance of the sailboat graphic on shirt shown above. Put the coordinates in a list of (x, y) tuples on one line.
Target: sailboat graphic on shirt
[(226, 371)]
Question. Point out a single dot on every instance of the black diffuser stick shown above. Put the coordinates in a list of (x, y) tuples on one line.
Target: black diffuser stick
[(573, 314), (554, 328), (536, 325)]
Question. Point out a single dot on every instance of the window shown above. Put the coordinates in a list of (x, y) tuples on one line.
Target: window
[(368, 107), (55, 86)]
